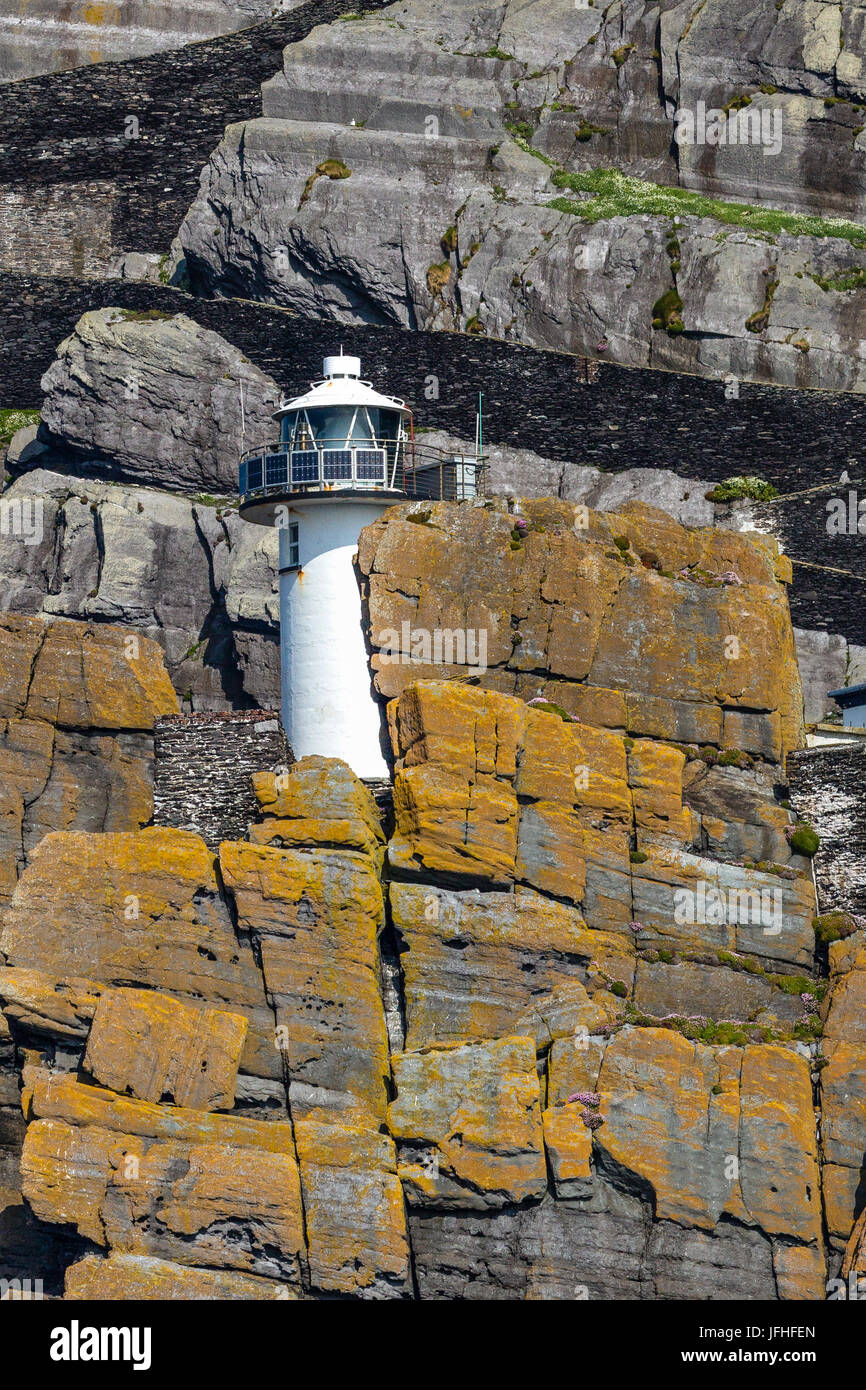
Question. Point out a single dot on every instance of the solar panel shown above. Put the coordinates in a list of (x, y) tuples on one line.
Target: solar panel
[(254, 474), (276, 469), (305, 466), (370, 465), (242, 479), (336, 465)]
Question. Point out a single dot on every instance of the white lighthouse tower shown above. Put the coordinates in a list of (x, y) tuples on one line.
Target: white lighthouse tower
[(339, 464)]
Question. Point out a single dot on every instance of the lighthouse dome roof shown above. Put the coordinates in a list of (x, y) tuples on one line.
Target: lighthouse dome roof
[(341, 384)]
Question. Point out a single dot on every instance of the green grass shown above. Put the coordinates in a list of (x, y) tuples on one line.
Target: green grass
[(206, 499), (13, 420), (849, 280), (614, 194)]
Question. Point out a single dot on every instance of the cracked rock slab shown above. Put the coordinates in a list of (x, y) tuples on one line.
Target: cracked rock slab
[(467, 1122)]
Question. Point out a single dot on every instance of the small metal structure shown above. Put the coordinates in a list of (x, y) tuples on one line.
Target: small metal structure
[(852, 699)]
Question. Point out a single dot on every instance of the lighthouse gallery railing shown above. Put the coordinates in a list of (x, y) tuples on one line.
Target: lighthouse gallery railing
[(331, 466)]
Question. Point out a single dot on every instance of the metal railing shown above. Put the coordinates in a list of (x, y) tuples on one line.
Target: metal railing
[(444, 476), (414, 470)]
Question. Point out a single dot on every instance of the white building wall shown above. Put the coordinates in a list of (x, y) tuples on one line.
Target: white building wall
[(328, 706)]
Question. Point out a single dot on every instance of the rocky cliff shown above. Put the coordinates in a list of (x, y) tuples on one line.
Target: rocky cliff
[(513, 171), (560, 1033)]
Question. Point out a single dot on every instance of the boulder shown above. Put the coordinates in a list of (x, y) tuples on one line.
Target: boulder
[(185, 573), (154, 398), (317, 802)]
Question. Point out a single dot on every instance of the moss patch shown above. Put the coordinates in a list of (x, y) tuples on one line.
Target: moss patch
[(614, 194), (667, 312), (328, 169), (833, 926), (805, 840), (734, 489)]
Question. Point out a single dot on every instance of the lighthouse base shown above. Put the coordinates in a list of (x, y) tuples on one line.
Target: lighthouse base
[(328, 707)]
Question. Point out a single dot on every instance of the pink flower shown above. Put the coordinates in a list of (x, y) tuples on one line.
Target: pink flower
[(586, 1098), (591, 1119)]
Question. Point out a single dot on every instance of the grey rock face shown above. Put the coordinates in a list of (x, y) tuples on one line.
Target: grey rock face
[(695, 988), (789, 61), (203, 585), (391, 180), (155, 399), (36, 38), (522, 473), (608, 1247)]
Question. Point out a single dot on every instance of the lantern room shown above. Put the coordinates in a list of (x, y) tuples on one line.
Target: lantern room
[(341, 438)]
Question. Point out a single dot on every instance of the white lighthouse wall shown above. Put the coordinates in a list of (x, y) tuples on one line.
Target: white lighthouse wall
[(328, 707)]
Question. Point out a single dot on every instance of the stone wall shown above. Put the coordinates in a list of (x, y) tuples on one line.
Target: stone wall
[(827, 788), (202, 769), (145, 126), (66, 224)]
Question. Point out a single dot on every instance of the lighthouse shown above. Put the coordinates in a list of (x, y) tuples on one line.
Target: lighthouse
[(345, 453), (339, 462)]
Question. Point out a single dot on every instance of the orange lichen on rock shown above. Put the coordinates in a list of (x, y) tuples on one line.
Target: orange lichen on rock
[(149, 1045), (467, 1121), (588, 605)]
